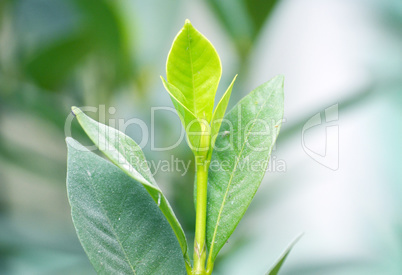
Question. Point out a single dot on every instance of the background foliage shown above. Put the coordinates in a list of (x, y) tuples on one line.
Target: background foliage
[(55, 54)]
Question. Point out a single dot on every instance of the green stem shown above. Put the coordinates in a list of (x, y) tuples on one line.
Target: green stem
[(201, 218), (202, 165)]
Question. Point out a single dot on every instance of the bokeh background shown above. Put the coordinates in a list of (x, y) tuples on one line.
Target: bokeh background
[(342, 184)]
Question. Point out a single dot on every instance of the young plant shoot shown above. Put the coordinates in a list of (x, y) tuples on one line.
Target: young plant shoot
[(124, 221)]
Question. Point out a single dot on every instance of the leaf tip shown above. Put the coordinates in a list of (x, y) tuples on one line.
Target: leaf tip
[(164, 82), (71, 143), (188, 26), (234, 78), (69, 140), (75, 110), (280, 78), (275, 269)]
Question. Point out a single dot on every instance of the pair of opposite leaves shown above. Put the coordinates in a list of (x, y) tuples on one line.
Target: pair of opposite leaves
[(121, 229)]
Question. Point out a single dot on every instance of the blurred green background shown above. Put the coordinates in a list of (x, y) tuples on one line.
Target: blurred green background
[(340, 53)]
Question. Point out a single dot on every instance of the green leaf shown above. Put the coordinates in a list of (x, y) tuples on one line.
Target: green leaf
[(188, 119), (194, 68), (218, 115), (127, 155), (275, 269), (243, 21), (240, 159), (102, 37), (51, 66), (258, 12), (105, 27), (119, 226)]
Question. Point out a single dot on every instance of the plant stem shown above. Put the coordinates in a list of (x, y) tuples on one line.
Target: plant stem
[(201, 215), (202, 166)]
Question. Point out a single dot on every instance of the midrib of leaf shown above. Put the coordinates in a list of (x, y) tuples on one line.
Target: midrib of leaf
[(111, 226), (231, 179)]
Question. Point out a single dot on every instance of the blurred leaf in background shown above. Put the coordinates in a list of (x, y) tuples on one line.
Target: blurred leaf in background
[(243, 20), (53, 54), (98, 41)]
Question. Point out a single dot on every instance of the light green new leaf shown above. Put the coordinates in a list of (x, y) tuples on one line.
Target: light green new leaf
[(218, 115), (240, 159), (119, 226), (127, 155), (275, 269), (194, 68), (190, 122)]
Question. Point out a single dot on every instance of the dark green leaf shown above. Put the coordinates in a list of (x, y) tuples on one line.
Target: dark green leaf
[(117, 222), (240, 159), (244, 20), (106, 28), (127, 155), (50, 67), (101, 35)]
